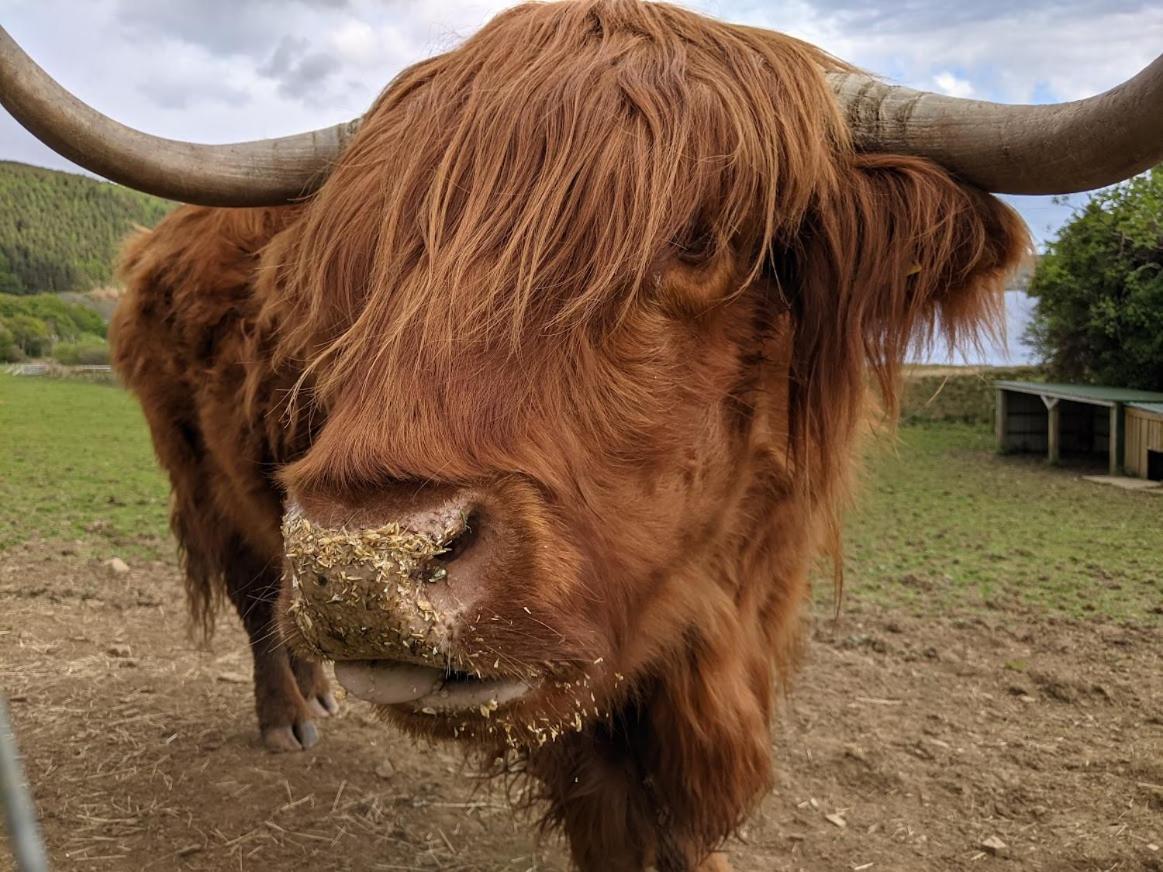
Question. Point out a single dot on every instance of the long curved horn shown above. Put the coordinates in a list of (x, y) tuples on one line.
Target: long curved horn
[(1052, 149), (259, 173)]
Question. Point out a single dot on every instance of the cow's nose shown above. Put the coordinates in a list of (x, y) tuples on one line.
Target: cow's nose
[(456, 545), (385, 579)]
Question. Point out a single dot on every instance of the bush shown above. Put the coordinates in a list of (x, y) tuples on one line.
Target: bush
[(63, 320), (30, 335), (10, 351), (965, 394), (87, 351), (31, 326), (1099, 287)]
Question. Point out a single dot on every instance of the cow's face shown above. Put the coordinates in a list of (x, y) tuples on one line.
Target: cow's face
[(500, 544), (587, 308)]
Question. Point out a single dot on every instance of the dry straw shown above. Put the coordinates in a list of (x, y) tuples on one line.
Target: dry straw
[(365, 592)]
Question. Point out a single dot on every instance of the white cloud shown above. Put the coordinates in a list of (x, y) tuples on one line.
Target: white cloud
[(954, 86), (356, 41), (1012, 51), (225, 70)]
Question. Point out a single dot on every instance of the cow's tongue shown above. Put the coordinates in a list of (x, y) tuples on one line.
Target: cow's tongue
[(387, 682)]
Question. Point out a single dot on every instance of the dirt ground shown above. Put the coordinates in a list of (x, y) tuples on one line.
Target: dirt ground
[(909, 744)]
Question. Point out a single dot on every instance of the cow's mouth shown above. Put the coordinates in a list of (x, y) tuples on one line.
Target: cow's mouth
[(425, 689)]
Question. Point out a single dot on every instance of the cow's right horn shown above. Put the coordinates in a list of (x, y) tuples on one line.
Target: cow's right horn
[(259, 173), (1045, 149)]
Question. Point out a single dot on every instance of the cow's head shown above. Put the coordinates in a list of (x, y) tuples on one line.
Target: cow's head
[(585, 311), (587, 306)]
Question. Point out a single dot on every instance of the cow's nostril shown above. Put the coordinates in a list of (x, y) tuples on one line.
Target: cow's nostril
[(460, 543)]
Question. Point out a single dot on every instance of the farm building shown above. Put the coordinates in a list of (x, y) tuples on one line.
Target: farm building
[(1078, 420), (1144, 456)]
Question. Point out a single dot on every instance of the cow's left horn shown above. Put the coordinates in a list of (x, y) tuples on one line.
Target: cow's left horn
[(259, 173), (1051, 149)]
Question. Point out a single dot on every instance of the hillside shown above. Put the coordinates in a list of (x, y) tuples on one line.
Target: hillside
[(60, 231)]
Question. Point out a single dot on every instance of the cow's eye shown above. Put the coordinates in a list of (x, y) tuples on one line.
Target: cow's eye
[(695, 246), (702, 271)]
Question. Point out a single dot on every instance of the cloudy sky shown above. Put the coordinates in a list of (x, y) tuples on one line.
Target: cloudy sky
[(222, 70)]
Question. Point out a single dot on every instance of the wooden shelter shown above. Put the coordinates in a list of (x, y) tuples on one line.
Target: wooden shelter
[(1144, 455), (1075, 420)]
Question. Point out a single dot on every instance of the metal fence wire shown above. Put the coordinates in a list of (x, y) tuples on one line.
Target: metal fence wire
[(19, 817)]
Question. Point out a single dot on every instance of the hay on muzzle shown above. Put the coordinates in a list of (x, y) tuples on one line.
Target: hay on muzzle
[(367, 593)]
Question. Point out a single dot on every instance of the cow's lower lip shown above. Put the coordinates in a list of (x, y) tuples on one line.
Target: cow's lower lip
[(423, 688)]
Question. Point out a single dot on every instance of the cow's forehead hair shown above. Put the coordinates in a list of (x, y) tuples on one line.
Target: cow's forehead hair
[(531, 181)]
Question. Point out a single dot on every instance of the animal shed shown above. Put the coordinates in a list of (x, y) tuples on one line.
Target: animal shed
[(1144, 455), (1078, 420)]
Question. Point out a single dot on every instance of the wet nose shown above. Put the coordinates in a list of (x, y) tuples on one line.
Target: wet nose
[(387, 578)]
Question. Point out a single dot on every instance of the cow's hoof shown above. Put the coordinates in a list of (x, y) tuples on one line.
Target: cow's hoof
[(323, 706), (294, 737)]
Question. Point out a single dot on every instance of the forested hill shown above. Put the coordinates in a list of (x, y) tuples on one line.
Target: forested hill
[(60, 231)]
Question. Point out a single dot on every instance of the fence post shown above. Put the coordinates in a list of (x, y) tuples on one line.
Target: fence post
[(23, 833)]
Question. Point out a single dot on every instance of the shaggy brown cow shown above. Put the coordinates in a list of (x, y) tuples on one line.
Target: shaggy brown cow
[(547, 397)]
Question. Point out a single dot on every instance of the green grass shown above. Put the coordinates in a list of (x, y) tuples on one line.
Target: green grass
[(942, 522), (76, 464)]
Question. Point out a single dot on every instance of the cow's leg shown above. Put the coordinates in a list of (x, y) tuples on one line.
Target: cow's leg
[(314, 687), (284, 716), (684, 858), (715, 863)]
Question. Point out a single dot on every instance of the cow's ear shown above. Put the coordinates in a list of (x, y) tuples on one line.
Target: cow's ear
[(900, 255), (919, 255)]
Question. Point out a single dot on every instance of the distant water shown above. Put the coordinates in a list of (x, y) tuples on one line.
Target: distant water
[(1011, 352)]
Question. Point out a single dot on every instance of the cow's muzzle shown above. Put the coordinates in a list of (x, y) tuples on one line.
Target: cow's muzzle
[(387, 600)]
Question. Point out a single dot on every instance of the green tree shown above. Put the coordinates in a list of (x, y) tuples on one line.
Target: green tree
[(1099, 290), (61, 231), (9, 282)]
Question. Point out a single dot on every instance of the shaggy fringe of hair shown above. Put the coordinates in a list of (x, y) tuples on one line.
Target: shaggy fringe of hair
[(534, 180)]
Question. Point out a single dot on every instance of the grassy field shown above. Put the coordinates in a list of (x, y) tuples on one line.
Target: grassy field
[(942, 522), (76, 466)]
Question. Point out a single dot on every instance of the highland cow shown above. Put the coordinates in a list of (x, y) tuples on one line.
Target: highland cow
[(533, 412)]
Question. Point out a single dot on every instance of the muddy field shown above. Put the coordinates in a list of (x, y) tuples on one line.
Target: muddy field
[(980, 740)]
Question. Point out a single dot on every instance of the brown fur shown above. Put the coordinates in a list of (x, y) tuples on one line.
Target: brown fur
[(618, 267)]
